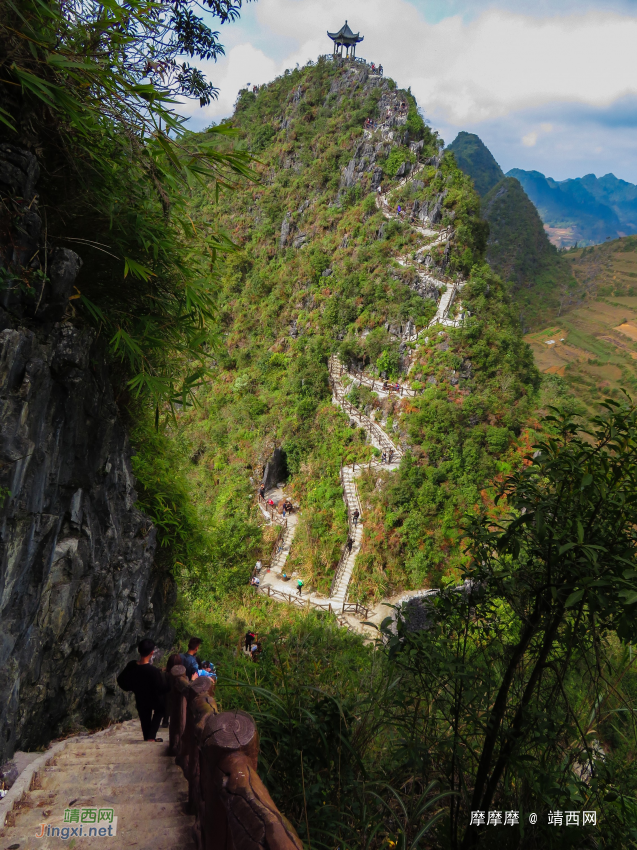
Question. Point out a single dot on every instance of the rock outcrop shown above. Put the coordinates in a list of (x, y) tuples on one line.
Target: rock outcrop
[(79, 585)]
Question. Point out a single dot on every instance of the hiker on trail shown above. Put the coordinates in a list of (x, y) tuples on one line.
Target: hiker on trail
[(258, 565), (271, 503), (380, 70), (373, 66), (355, 517), (188, 658), (299, 586), (150, 687), (383, 457), (256, 582), (250, 636), (391, 454), (262, 490), (289, 507), (350, 543)]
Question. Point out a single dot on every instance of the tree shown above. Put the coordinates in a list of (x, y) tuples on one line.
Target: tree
[(92, 88), (506, 688)]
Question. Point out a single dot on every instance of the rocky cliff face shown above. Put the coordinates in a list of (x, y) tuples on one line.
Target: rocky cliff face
[(78, 583)]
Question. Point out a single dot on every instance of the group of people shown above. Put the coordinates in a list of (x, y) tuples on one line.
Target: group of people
[(387, 456), (391, 388), (285, 505), (377, 69), (253, 645), (150, 685)]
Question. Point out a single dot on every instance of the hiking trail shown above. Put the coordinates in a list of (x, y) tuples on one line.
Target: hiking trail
[(422, 262)]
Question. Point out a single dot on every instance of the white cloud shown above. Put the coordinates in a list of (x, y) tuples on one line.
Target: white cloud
[(242, 64), (546, 128), (530, 140), (468, 71)]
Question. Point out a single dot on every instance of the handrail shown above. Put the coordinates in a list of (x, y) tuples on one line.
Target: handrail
[(383, 386), (218, 754), (366, 422), (275, 516)]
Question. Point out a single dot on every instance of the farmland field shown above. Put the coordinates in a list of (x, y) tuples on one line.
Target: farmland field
[(593, 346)]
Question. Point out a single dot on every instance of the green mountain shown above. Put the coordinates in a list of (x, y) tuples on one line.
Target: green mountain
[(587, 210), (520, 252), (322, 267), (518, 248), (476, 160)]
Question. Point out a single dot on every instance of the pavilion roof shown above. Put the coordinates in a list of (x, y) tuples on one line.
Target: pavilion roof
[(346, 36)]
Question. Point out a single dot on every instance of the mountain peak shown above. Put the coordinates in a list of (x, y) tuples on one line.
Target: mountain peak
[(476, 160)]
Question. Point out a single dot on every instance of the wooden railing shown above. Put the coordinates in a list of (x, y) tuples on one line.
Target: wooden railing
[(375, 384), (366, 423), (355, 608), (218, 754), (307, 603)]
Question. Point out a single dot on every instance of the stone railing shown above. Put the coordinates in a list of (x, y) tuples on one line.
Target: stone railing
[(218, 754)]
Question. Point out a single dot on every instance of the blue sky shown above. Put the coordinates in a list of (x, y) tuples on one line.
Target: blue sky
[(550, 86)]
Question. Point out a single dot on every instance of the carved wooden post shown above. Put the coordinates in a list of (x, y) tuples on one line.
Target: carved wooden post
[(240, 814), (199, 703), (177, 709)]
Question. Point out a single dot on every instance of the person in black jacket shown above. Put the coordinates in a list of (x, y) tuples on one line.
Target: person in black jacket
[(149, 686)]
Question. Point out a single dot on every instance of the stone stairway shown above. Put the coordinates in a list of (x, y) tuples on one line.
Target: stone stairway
[(281, 555), (441, 237), (444, 305), (339, 590), (113, 770), (378, 437)]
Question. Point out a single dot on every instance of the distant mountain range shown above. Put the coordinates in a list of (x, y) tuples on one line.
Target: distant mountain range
[(587, 210), (518, 248)]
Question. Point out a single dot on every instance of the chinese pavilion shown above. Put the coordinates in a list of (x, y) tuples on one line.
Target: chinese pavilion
[(345, 38)]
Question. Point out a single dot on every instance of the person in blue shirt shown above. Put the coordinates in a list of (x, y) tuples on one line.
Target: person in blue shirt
[(188, 658)]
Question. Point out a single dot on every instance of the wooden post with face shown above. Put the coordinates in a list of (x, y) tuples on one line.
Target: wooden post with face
[(240, 814)]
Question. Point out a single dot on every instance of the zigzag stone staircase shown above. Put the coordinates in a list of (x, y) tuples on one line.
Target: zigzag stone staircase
[(377, 436)]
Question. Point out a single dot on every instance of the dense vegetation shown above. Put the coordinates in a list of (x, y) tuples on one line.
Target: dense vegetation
[(518, 249), (516, 698), (477, 161), (90, 88), (285, 308), (519, 695), (520, 253)]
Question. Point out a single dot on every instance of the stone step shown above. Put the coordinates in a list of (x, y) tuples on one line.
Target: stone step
[(53, 811), (114, 755), (153, 792), (104, 781)]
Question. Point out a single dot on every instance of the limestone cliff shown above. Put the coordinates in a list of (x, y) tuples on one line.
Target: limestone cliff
[(78, 582)]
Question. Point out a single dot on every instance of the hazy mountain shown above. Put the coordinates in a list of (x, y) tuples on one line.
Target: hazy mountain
[(587, 210), (476, 160)]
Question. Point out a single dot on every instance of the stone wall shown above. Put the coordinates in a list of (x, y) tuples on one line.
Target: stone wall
[(78, 582)]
